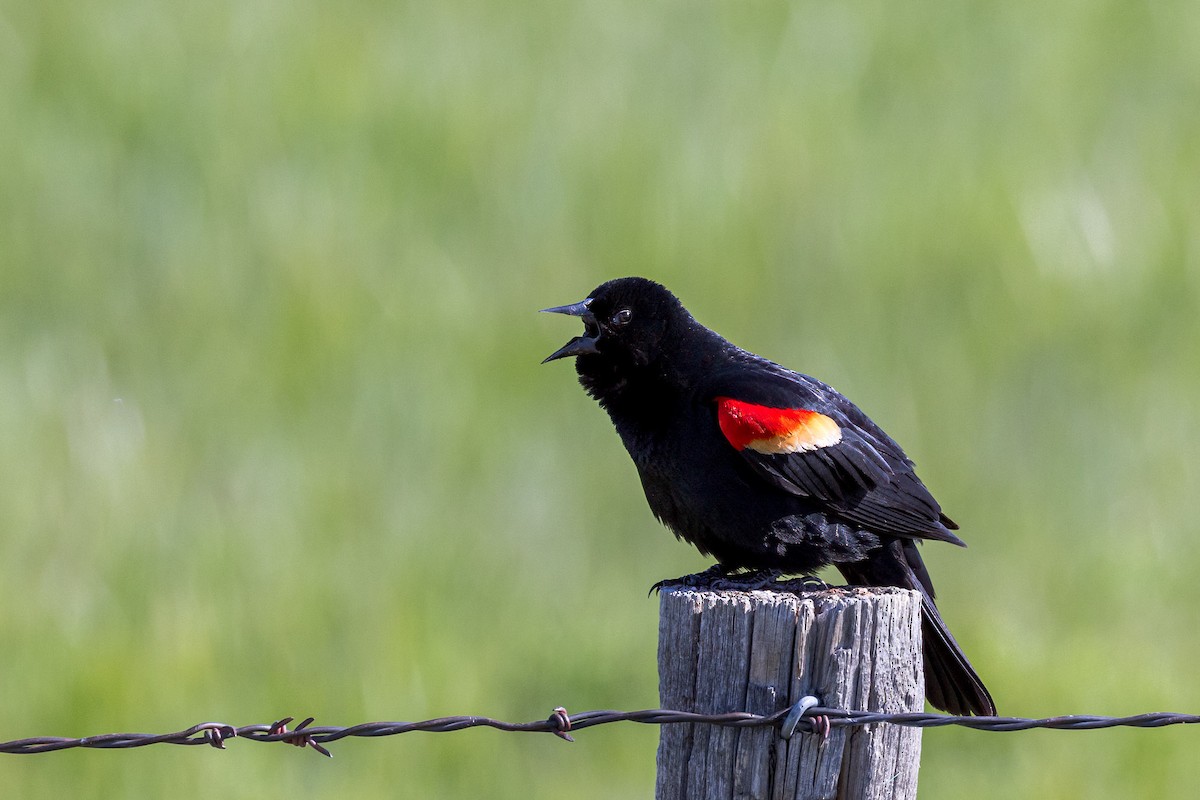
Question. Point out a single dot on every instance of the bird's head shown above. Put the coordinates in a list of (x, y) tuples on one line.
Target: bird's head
[(624, 323)]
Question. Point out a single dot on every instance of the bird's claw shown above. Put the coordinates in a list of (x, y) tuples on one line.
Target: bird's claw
[(698, 580)]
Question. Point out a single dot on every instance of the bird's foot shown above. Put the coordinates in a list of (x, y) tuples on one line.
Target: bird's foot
[(769, 580), (750, 581), (719, 578), (804, 583), (699, 580)]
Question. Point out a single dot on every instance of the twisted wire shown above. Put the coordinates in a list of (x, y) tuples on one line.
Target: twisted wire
[(815, 719)]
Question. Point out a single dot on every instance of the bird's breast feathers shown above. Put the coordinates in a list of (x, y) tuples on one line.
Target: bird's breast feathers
[(775, 431)]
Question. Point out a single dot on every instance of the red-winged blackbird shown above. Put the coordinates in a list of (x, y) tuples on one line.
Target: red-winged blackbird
[(763, 468)]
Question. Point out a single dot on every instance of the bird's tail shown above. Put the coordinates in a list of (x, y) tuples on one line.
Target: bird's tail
[(951, 684)]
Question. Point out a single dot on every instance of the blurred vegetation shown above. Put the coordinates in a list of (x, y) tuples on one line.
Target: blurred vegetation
[(275, 436)]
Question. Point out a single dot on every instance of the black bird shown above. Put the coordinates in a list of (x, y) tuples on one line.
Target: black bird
[(763, 468)]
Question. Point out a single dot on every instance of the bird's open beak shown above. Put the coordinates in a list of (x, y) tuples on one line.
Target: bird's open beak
[(580, 345)]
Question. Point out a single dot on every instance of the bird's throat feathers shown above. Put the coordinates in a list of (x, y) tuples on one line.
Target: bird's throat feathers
[(617, 386), (651, 378)]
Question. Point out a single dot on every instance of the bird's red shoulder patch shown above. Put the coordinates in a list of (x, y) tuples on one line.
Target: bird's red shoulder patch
[(775, 430)]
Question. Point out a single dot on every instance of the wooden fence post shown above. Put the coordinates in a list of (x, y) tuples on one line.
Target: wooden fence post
[(721, 651)]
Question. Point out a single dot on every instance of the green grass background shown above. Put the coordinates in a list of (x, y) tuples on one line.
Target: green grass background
[(275, 439)]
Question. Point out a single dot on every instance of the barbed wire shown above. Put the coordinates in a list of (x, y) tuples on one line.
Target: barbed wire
[(806, 717)]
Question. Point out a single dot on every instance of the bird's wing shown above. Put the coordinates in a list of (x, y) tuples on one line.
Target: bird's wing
[(803, 437)]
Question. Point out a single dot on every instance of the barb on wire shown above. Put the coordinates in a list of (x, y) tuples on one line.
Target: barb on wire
[(811, 719)]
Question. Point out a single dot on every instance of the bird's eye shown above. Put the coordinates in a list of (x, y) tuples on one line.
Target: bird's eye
[(621, 317)]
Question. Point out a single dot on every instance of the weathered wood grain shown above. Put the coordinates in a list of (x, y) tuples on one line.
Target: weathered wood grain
[(760, 651)]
